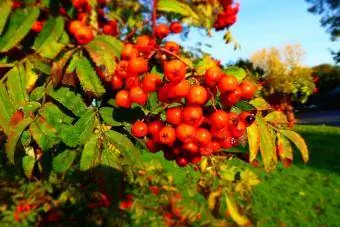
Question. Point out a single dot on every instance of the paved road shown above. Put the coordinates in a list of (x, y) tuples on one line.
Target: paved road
[(320, 117)]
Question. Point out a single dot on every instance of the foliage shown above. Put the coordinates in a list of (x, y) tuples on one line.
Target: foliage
[(62, 64)]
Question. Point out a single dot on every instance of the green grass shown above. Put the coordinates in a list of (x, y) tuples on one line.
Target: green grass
[(303, 195)]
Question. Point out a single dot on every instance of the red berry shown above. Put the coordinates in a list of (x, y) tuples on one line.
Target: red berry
[(192, 115), (129, 51), (121, 70), (212, 76), (139, 129), (137, 65), (84, 35), (167, 135), (190, 147), (175, 70), (229, 142), (185, 133), (247, 89), (195, 158), (219, 119), (154, 190), (38, 26), (176, 27), (151, 82), (197, 95), (181, 89), (239, 130), (145, 44), (116, 83), (174, 115), (111, 28), (247, 118), (74, 26), (152, 146), (171, 46), (227, 83), (203, 136), (132, 82), (182, 161), (137, 95), (162, 31), (231, 98), (155, 127), (123, 99)]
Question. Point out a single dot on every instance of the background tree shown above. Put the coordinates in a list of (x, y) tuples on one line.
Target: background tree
[(285, 78), (330, 18)]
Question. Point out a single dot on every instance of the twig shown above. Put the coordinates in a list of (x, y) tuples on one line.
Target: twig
[(176, 56), (212, 99), (154, 17), (131, 34)]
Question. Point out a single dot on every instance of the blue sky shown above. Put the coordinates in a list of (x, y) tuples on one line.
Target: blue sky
[(266, 23)]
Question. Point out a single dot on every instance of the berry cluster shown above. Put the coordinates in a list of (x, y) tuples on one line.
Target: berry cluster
[(191, 128), (228, 16), (82, 31)]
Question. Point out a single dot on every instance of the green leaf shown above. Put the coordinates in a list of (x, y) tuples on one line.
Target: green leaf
[(44, 134), (116, 46), (63, 161), (237, 72), (103, 54), (123, 144), (53, 115), (242, 105), (267, 146), (37, 94), (174, 6), (88, 78), (5, 9), (68, 134), (13, 137), (153, 101), (85, 126), (276, 117), (285, 150), (20, 23), (90, 157), (253, 141), (260, 104), (204, 64), (111, 157), (16, 82), (6, 108), (68, 99), (299, 143), (28, 163), (30, 107), (58, 67), (106, 114)]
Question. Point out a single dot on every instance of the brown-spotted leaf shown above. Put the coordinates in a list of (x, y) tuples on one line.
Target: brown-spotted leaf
[(58, 67)]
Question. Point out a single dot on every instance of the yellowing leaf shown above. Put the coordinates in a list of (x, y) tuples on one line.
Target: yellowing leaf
[(32, 79), (298, 141), (276, 117), (175, 6), (260, 104), (240, 219), (285, 150), (253, 141), (212, 199)]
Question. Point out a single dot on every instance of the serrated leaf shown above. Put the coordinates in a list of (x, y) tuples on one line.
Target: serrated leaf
[(116, 46), (16, 86), (88, 78), (20, 23), (28, 164), (68, 99), (37, 94), (254, 141), (237, 72), (85, 125), (106, 113), (6, 108), (52, 31), (110, 158), (285, 150), (124, 145), (174, 6), (240, 219), (276, 117), (13, 137), (53, 115), (242, 105), (153, 101), (260, 104), (40, 64), (58, 67), (90, 157), (63, 161), (204, 64), (68, 134), (298, 141), (5, 9), (44, 134), (103, 54), (30, 107), (267, 146)]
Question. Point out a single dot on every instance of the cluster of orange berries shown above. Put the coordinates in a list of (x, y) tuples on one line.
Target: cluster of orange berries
[(228, 16), (22, 211), (191, 129)]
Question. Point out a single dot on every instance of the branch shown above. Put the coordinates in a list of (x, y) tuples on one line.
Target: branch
[(154, 17), (176, 56)]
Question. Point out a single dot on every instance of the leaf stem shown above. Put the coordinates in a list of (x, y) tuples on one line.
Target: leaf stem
[(176, 56)]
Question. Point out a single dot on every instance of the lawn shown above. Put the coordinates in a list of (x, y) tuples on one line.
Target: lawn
[(303, 195)]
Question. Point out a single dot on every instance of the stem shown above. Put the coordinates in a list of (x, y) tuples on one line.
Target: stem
[(154, 17), (131, 34), (176, 56), (212, 99)]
